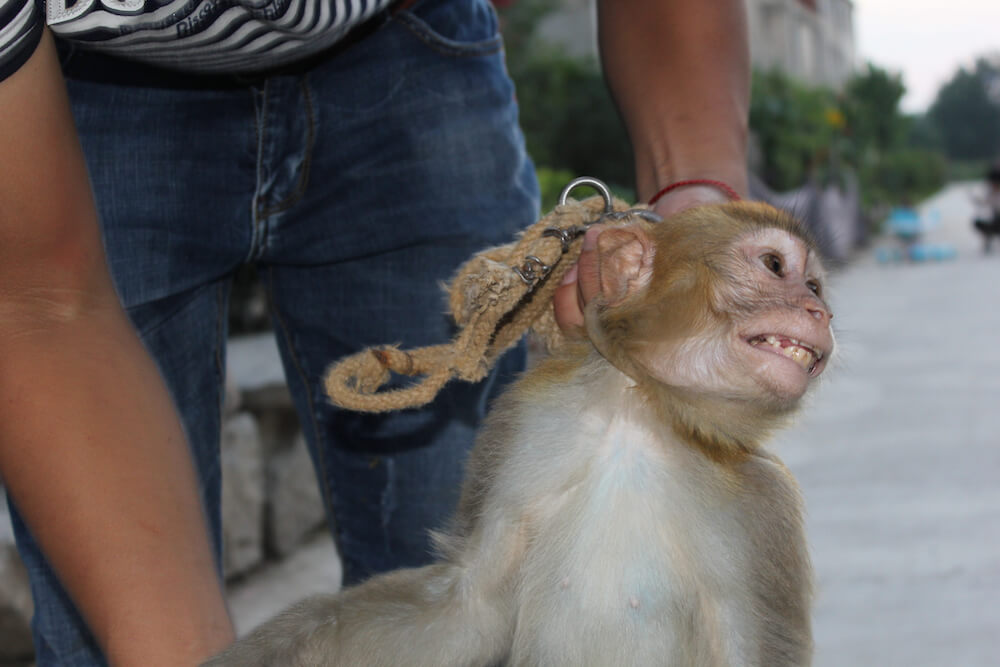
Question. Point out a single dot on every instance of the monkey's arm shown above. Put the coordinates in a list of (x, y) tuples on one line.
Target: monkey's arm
[(681, 77), (435, 616), (457, 612)]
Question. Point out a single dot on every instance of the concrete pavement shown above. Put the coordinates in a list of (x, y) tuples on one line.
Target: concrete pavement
[(899, 460)]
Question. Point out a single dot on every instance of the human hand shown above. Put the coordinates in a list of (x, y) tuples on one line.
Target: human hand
[(582, 282)]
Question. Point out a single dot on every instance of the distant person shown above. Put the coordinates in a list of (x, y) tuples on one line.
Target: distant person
[(989, 224)]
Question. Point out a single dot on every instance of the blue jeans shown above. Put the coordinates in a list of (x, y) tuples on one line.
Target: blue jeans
[(356, 184)]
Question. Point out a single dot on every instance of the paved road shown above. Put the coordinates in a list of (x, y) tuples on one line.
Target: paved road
[(899, 459)]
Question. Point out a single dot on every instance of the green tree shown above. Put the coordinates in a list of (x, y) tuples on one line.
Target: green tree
[(808, 132), (896, 155), (795, 126), (922, 133), (569, 119), (965, 115), (871, 102), (570, 122)]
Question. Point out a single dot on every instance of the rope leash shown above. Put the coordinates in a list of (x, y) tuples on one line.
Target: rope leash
[(495, 298)]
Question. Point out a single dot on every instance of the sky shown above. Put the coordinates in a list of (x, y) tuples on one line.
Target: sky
[(925, 40)]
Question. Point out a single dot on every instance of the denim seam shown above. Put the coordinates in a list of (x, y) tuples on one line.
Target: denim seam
[(222, 296), (300, 188), (387, 501), (423, 32), (260, 122), (314, 422), (162, 321)]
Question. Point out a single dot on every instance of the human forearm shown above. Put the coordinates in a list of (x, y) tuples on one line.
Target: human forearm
[(90, 450), (679, 72), (90, 446)]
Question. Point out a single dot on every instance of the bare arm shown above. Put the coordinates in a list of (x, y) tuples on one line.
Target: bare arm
[(90, 446), (680, 74)]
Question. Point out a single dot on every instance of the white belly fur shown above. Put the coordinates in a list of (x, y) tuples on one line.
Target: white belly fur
[(618, 561)]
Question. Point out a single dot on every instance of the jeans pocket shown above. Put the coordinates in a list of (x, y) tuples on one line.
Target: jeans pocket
[(456, 28)]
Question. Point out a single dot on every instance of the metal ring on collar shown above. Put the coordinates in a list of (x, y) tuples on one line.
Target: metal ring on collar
[(592, 182)]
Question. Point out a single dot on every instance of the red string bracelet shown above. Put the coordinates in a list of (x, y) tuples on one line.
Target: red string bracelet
[(696, 181)]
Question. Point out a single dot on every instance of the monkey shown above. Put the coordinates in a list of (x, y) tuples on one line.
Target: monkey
[(619, 507)]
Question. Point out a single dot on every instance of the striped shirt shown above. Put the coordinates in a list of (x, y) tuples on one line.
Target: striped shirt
[(210, 36)]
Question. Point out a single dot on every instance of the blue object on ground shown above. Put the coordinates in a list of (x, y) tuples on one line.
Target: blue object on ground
[(925, 252), (905, 223), (885, 255)]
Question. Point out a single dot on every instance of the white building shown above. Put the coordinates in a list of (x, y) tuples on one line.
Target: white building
[(812, 40)]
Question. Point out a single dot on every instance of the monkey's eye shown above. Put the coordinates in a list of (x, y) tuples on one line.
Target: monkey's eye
[(773, 264), (814, 287)]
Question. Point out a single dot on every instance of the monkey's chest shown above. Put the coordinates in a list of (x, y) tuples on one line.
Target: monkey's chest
[(634, 567)]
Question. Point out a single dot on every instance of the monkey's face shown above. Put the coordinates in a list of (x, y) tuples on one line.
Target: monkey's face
[(762, 332), (780, 335), (721, 301)]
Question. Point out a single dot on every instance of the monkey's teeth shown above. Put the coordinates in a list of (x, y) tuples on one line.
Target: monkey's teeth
[(791, 348)]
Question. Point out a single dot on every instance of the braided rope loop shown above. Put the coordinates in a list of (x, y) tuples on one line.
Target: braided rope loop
[(493, 306)]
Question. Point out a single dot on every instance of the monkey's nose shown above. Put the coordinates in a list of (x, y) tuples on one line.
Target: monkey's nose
[(819, 311)]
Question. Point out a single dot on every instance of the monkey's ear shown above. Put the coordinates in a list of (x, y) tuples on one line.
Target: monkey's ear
[(625, 262)]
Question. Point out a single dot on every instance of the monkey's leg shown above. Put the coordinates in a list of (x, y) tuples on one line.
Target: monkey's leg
[(433, 616)]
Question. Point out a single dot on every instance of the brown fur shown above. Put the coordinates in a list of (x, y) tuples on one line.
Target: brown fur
[(694, 256), (615, 513)]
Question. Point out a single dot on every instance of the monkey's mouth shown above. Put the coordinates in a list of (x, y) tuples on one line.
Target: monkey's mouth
[(804, 355)]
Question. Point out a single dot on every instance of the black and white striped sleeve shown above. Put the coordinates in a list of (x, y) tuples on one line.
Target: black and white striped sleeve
[(21, 23)]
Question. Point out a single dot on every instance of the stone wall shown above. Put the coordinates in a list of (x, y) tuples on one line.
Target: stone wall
[(270, 499), (15, 599)]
